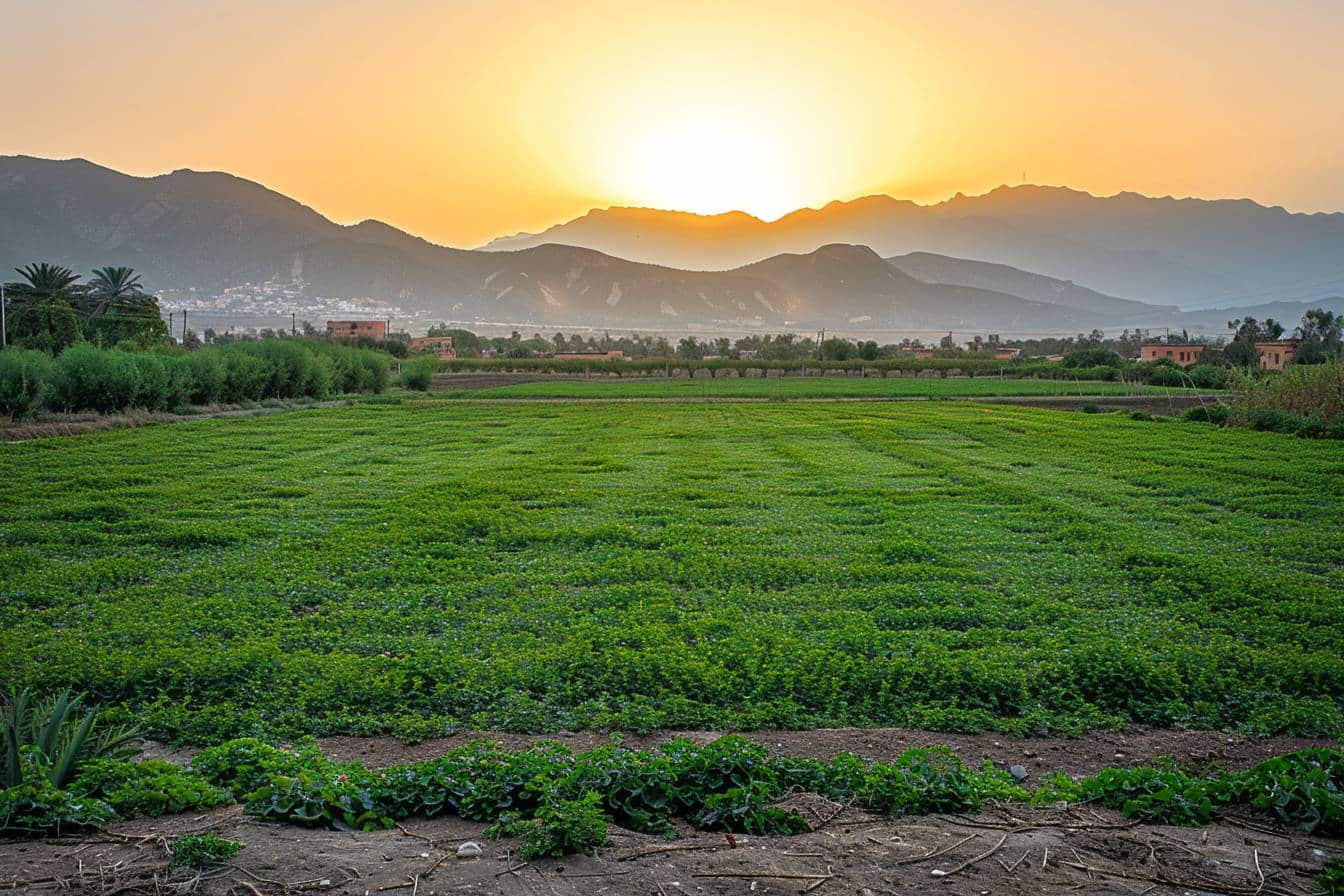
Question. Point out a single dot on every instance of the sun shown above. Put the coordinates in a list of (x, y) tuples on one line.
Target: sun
[(708, 161)]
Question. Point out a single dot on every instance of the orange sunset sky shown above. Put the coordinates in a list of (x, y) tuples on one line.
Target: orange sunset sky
[(461, 121)]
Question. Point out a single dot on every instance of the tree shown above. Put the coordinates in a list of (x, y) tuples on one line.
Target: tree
[(45, 281), (111, 284), (42, 316), (1320, 336), (690, 349)]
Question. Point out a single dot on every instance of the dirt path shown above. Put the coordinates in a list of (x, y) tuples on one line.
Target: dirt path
[(847, 852)]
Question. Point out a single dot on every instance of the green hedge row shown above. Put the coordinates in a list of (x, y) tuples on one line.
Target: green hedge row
[(731, 784), (87, 378)]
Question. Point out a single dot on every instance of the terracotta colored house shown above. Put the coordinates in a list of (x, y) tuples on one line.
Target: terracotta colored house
[(354, 329), (1183, 353), (439, 345), (1273, 355), (1006, 354)]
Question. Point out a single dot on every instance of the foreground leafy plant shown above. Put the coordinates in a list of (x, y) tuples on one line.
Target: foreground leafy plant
[(61, 730), (202, 850)]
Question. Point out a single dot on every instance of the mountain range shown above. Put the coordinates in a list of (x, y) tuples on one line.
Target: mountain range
[(210, 231), (1187, 252)]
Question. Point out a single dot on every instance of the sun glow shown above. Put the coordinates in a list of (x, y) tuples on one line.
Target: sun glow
[(709, 161), (728, 118)]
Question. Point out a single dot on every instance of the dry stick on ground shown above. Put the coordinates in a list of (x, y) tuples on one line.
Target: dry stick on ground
[(770, 874), (675, 848), (936, 853), (971, 861), (1165, 880)]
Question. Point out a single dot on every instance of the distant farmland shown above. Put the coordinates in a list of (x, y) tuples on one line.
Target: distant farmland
[(811, 387), (408, 567)]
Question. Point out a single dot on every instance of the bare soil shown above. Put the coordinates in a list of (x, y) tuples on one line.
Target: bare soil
[(1075, 756), (1004, 850)]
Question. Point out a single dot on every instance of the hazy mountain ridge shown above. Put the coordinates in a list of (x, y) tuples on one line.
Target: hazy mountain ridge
[(212, 230), (1187, 252)]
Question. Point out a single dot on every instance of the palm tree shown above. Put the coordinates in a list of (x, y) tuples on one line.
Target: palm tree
[(111, 284), (46, 281)]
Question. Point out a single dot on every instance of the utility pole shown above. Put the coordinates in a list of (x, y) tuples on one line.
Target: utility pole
[(4, 332), (184, 326), (293, 324), (170, 325)]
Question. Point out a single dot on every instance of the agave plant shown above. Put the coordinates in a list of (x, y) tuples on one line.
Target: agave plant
[(62, 731)]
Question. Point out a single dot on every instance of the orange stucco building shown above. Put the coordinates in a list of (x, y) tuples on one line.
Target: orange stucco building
[(1183, 353), (439, 345), (1273, 355), (354, 329)]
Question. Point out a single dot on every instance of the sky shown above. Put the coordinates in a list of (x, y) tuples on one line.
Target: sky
[(462, 121)]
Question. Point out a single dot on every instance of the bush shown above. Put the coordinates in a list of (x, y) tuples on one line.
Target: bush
[(1207, 376), (1214, 413), (1303, 399), (418, 373), (36, 806), (24, 375), (151, 787), (202, 850), (563, 827), (1092, 357), (93, 379)]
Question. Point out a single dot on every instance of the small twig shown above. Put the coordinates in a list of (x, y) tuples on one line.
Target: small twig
[(514, 870), (935, 854), (765, 874), (971, 861), (678, 847), (601, 874)]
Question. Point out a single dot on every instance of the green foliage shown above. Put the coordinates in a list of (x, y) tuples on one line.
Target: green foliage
[(1214, 413), (564, 827), (59, 730), (36, 806), (417, 373), (1306, 400), (433, 565), (201, 850), (1163, 794), (149, 787), (23, 374), (87, 378), (1331, 878)]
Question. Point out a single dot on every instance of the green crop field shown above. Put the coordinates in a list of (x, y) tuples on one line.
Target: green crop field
[(811, 387), (416, 566)]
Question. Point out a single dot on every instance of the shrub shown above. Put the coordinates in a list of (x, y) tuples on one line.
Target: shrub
[(89, 378), (563, 827), (209, 375), (151, 787), (202, 850), (1298, 397), (418, 373), (37, 806), (24, 375), (1214, 413)]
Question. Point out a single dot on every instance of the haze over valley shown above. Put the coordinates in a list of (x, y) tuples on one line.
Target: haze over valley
[(1016, 260)]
